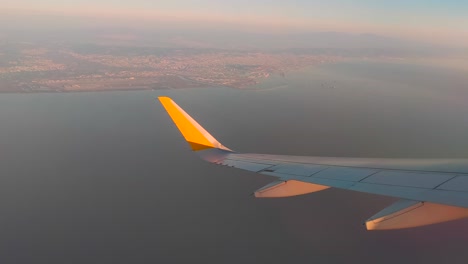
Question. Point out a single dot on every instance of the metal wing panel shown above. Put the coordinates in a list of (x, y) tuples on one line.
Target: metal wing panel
[(403, 192), (458, 183), (330, 182), (298, 169), (446, 197), (345, 173), (428, 165), (410, 179), (437, 187), (246, 165)]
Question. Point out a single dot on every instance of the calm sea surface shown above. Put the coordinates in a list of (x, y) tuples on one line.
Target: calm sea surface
[(106, 177)]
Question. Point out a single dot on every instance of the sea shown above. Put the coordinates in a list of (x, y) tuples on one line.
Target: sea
[(105, 177)]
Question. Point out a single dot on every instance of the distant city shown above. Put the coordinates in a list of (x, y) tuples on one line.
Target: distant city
[(27, 67), (42, 64)]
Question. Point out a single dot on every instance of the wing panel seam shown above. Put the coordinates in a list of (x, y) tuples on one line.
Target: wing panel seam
[(370, 175), (248, 161), (326, 168), (365, 167), (442, 183)]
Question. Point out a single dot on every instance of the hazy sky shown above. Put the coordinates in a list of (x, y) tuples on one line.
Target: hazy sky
[(434, 21)]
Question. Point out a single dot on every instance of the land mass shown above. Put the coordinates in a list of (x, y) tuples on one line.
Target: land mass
[(27, 67)]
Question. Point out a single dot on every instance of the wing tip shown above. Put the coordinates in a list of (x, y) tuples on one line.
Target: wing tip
[(197, 137), (164, 98)]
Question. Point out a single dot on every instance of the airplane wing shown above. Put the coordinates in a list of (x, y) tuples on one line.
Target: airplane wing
[(430, 190)]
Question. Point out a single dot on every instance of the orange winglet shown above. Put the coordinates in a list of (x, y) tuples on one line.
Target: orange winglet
[(197, 137)]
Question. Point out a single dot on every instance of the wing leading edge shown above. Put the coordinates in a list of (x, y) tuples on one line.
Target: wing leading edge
[(431, 190)]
